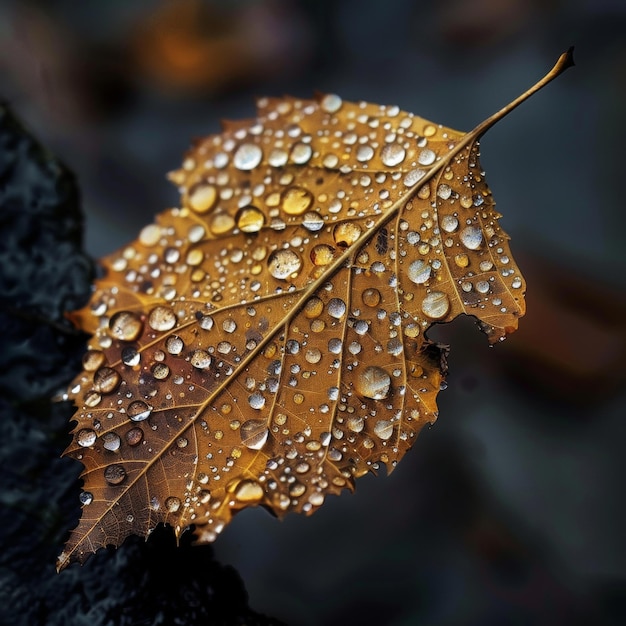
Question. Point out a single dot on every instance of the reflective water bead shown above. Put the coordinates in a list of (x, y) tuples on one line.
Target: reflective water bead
[(247, 156)]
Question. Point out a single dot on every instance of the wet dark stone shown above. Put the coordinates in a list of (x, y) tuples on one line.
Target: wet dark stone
[(43, 273)]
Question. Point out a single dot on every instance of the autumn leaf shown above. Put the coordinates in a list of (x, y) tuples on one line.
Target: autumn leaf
[(265, 343)]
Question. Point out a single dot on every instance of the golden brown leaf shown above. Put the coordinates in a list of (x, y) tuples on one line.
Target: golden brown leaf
[(264, 344)]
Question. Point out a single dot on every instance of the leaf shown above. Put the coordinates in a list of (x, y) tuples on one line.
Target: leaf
[(265, 344)]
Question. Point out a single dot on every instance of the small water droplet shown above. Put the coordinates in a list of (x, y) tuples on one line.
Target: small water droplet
[(449, 223), (111, 442), (364, 153), (419, 272), (426, 157), (331, 103), (482, 286), (256, 400), (115, 474), (283, 263), (322, 254), (254, 434), (371, 297), (412, 177), (250, 219), (444, 191), (150, 235), (383, 429), (86, 498), (301, 153), (174, 345), (200, 359), (130, 356), (125, 326), (86, 437), (162, 318), (106, 380), (138, 411), (313, 221), (92, 360), (172, 504), (392, 154), (202, 197), (436, 305), (221, 223), (346, 233), (471, 237), (248, 491), (134, 436), (373, 382), (336, 308), (296, 201), (247, 156)]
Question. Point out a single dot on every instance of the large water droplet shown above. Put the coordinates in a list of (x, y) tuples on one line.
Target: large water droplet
[(130, 356), (106, 380), (115, 474), (174, 344), (247, 157), (346, 233), (364, 153), (383, 429), (296, 201), (419, 271), (283, 263), (248, 491), (322, 254), (436, 305), (86, 437), (412, 177), (138, 411), (125, 326), (301, 153), (172, 504), (134, 436), (336, 308), (250, 219), (392, 154), (92, 360), (254, 434), (426, 157), (331, 103), (256, 400), (471, 237), (202, 197), (201, 359), (111, 442), (373, 382), (449, 223), (313, 221), (371, 297), (162, 318)]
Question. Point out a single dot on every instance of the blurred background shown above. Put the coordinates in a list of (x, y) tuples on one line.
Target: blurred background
[(510, 509)]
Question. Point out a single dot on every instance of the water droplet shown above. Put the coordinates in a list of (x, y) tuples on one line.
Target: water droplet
[(92, 398), (221, 223), (356, 423), (202, 198), (250, 219), (256, 400), (174, 344), (436, 305), (296, 201), (92, 360), (313, 221), (125, 326), (200, 359), (313, 307), (392, 154), (301, 153), (517, 283), (134, 436), (364, 153), (115, 474), (162, 318), (346, 233), (449, 223), (296, 490), (172, 504), (160, 371), (106, 380), (471, 237), (254, 434), (283, 263), (482, 286), (247, 157), (248, 491), (130, 356), (429, 130), (138, 411), (461, 260), (86, 498), (182, 442), (373, 382), (419, 272), (277, 158), (336, 308), (444, 191), (86, 437), (371, 297), (426, 157), (383, 429), (111, 442), (313, 356), (322, 254), (331, 103), (412, 177)]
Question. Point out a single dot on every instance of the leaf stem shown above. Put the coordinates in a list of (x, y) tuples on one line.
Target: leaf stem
[(565, 61)]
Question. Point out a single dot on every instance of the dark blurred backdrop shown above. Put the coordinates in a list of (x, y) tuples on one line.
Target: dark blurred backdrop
[(510, 510)]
